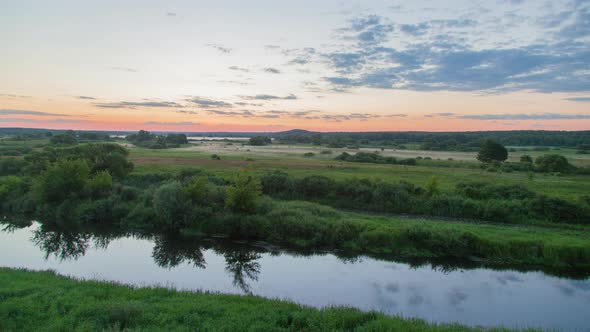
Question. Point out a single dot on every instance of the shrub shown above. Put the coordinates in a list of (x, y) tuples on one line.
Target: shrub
[(65, 178), (242, 196), (553, 163), (170, 205)]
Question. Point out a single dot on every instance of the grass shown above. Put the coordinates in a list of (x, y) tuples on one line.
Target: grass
[(569, 187), (35, 301), (312, 225)]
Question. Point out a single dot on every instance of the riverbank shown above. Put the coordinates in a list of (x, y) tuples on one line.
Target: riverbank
[(33, 301)]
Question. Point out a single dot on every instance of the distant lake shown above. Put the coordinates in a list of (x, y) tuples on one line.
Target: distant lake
[(473, 297)]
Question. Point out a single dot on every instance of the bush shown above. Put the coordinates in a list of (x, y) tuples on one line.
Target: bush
[(243, 195), (553, 163), (170, 205), (64, 179)]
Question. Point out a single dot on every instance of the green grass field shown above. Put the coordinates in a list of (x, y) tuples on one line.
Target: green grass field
[(292, 161), (44, 301)]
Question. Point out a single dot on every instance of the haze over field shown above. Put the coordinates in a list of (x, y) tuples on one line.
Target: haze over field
[(277, 65)]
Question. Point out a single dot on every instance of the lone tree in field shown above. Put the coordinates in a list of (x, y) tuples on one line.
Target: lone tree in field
[(491, 151)]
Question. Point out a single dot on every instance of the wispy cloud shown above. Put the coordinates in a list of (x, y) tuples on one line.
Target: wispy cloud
[(86, 97), (269, 97), (27, 120), (27, 112), (206, 103), (181, 123), (523, 116), (579, 99), (126, 69), (132, 104), (237, 68), (271, 70), (220, 48)]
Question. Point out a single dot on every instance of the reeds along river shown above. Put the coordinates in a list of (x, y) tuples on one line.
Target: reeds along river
[(476, 296)]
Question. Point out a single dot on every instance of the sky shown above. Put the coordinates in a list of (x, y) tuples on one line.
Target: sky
[(267, 65)]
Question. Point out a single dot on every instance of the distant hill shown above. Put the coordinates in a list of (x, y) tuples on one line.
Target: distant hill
[(294, 132)]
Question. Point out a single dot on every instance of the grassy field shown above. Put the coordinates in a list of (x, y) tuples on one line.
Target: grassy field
[(291, 160), (35, 301)]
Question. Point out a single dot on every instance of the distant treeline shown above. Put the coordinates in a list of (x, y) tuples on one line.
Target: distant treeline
[(145, 139), (459, 141)]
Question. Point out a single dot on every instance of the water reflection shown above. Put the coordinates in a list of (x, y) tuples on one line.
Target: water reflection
[(436, 291)]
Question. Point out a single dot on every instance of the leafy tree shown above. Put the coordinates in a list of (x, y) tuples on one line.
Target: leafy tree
[(491, 151), (243, 195), (553, 163), (198, 190), (526, 159), (176, 139), (259, 140), (170, 204), (101, 183), (63, 179)]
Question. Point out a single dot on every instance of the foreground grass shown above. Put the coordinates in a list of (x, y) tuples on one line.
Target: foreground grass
[(35, 301)]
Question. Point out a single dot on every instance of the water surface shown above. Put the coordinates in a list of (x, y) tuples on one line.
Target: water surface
[(469, 296)]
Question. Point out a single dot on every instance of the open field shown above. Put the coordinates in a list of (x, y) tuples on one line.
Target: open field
[(291, 160)]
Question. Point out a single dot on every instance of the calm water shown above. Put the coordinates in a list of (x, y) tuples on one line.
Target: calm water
[(474, 297)]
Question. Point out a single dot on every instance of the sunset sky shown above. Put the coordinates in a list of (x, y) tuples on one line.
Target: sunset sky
[(329, 65)]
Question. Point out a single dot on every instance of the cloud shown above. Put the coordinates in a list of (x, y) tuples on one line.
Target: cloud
[(579, 99), (523, 116), (206, 103), (439, 114), (220, 48), (170, 14), (269, 97), (246, 70), (43, 121), (27, 112), (131, 104), (442, 55), (271, 70), (181, 123), (86, 97), (370, 29), (127, 69)]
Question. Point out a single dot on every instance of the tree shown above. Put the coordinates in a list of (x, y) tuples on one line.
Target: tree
[(432, 186), (491, 151), (553, 163), (259, 140), (65, 178), (525, 158), (170, 204), (244, 194), (64, 139)]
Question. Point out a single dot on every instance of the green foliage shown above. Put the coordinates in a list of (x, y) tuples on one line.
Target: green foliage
[(432, 187), (309, 154), (67, 138), (492, 151), (148, 140), (198, 190), (12, 166), (525, 158), (243, 195), (553, 163), (64, 179), (170, 205), (371, 157), (101, 183), (259, 140)]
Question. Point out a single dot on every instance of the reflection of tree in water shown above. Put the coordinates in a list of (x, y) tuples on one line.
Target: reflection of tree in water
[(69, 244), (170, 251), (243, 266), (63, 245)]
